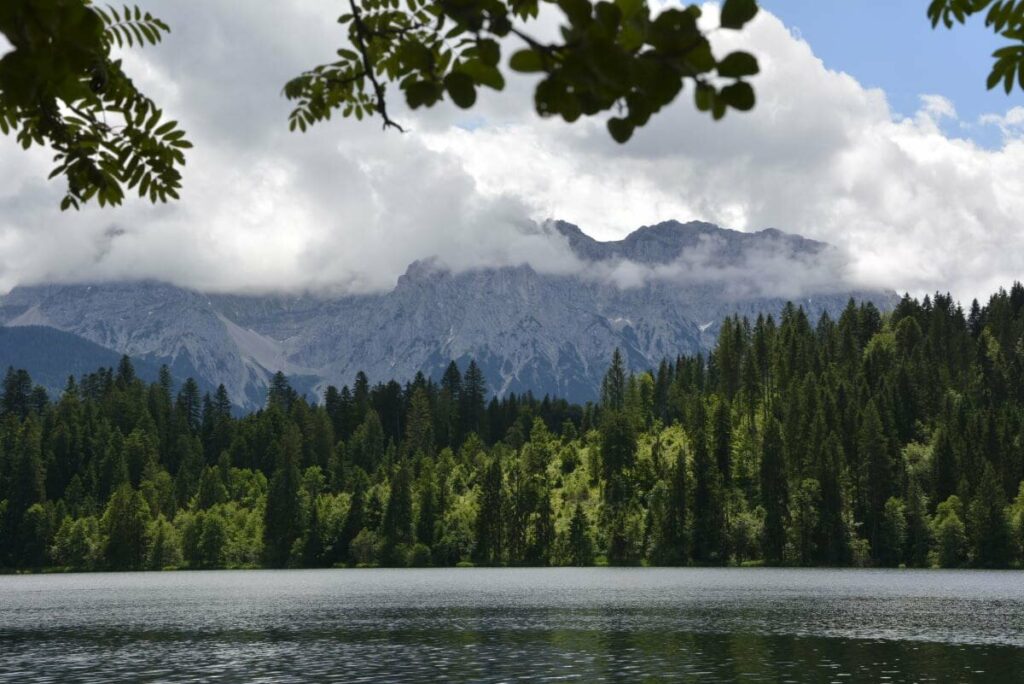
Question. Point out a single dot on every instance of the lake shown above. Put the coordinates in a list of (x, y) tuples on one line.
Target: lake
[(497, 625)]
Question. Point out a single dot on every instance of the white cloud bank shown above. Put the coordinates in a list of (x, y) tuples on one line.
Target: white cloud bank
[(348, 207)]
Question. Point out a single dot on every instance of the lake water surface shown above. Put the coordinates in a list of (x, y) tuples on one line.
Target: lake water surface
[(590, 625)]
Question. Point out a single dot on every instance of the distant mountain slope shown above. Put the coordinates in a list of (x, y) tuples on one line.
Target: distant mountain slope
[(659, 292), (51, 355)]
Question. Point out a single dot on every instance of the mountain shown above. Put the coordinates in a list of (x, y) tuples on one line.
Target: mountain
[(661, 291)]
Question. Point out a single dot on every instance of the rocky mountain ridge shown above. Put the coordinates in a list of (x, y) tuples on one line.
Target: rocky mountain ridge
[(659, 292)]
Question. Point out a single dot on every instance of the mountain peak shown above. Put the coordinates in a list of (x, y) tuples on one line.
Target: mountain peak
[(665, 242)]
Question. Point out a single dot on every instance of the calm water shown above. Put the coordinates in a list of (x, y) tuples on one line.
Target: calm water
[(589, 625)]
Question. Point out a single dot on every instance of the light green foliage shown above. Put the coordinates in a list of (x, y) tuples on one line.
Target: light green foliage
[(165, 547), (78, 544), (950, 533)]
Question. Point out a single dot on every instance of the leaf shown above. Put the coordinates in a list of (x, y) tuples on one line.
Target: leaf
[(526, 61), (483, 74), (736, 13), (489, 51), (416, 94), (737, 64), (620, 129), (461, 89), (738, 96), (629, 7)]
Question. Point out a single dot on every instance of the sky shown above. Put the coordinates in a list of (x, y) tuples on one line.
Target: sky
[(872, 132)]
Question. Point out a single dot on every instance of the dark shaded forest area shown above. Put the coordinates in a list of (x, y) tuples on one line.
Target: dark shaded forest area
[(884, 440)]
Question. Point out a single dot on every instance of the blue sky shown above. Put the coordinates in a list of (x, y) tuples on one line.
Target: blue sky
[(890, 44)]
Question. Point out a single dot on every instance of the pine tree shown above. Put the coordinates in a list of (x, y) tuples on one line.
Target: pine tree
[(472, 398), (618, 454), (774, 496), (355, 519), (313, 553), (125, 527), (17, 390), (543, 538), (874, 450), (721, 437), (282, 519), (489, 521), (419, 427), (188, 406), (426, 519), (397, 524), (987, 525), (709, 533), (613, 387), (833, 538), (280, 394), (674, 534), (892, 534), (581, 546)]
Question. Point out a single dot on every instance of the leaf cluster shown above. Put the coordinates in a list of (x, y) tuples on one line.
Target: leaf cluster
[(618, 56), (61, 87), (1005, 18)]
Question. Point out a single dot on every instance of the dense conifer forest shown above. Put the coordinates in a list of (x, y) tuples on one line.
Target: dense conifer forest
[(882, 440)]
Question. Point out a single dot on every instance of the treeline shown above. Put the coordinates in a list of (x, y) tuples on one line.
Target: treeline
[(872, 439)]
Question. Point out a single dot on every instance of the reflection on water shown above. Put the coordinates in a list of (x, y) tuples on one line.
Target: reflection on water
[(515, 624)]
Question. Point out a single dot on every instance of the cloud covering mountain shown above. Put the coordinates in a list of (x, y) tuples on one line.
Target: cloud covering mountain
[(660, 292)]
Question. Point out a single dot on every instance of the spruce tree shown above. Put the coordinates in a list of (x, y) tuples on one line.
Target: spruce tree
[(774, 494), (282, 519), (709, 523), (397, 526), (489, 521), (987, 525), (581, 546)]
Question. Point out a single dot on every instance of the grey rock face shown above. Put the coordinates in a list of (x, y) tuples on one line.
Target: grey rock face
[(527, 330)]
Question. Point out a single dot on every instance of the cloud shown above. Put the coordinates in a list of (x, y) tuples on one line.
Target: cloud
[(346, 207)]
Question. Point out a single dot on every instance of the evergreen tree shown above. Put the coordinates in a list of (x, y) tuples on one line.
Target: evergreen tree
[(893, 533), (543, 539), (419, 428), (618, 454), (282, 519), (833, 539), (709, 524), (674, 535), (125, 528), (774, 494), (489, 521), (988, 529), (721, 436), (874, 450), (950, 533), (805, 507), (398, 523), (188, 406), (472, 398), (581, 546), (613, 387)]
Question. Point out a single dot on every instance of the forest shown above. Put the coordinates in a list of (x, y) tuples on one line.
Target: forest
[(871, 439)]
